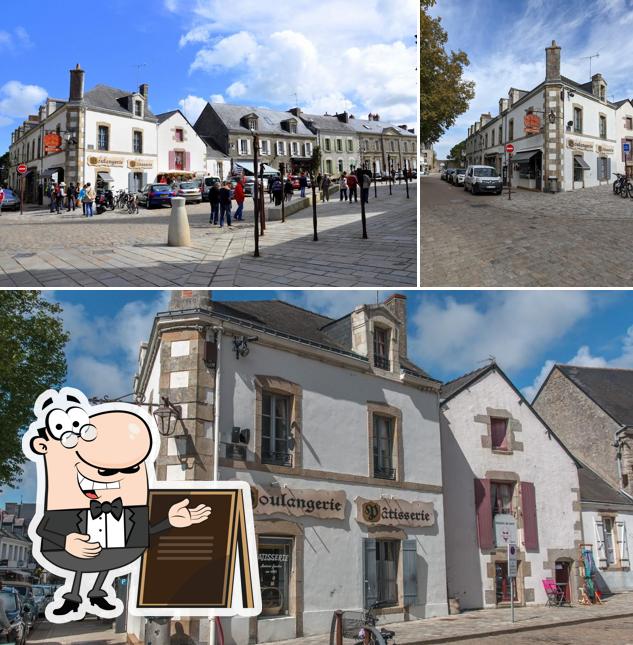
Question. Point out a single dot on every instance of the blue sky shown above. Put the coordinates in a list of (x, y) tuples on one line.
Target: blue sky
[(361, 57), (450, 333), (505, 41)]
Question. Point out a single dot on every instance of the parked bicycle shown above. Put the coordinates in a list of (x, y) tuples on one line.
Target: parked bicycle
[(622, 186), (361, 626)]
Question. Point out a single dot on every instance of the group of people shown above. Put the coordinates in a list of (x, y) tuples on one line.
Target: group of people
[(220, 198), (70, 196), (348, 185)]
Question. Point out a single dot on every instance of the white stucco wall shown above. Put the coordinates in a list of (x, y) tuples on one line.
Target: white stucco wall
[(622, 132), (542, 462), (615, 580), (192, 143)]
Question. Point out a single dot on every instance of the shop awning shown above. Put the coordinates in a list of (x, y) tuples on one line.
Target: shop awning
[(49, 172), (524, 156), (248, 167), (581, 162), (106, 176)]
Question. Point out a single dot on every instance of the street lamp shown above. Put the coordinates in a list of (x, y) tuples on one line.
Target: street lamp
[(255, 193)]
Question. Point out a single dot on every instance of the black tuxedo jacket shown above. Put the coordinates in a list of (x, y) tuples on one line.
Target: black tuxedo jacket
[(56, 525)]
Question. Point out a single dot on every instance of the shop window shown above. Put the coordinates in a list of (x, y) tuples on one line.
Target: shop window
[(501, 495), (502, 583), (499, 433), (276, 429), (578, 120), (103, 137), (383, 446), (381, 348), (387, 570), (275, 558), (511, 130), (179, 135), (578, 170), (603, 127), (137, 142)]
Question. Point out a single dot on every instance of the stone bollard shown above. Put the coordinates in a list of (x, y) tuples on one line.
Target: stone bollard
[(178, 234)]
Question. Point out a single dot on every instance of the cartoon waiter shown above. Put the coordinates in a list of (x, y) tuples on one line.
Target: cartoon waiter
[(93, 516)]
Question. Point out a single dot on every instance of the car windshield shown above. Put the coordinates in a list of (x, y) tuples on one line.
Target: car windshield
[(38, 591), (159, 187), (21, 590), (461, 171), (188, 184), (8, 601), (485, 172), (209, 181)]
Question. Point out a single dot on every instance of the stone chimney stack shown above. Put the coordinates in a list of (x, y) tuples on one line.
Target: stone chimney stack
[(77, 84), (397, 305), (189, 299), (503, 105), (343, 117), (599, 87), (552, 63), (143, 90)]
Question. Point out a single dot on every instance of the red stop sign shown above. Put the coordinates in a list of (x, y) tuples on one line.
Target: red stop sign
[(509, 148), (22, 169)]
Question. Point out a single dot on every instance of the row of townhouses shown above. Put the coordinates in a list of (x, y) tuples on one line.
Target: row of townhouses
[(111, 138), (426, 482), (16, 560), (566, 135)]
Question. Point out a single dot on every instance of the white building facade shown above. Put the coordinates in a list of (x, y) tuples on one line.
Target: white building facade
[(180, 150), (335, 413), (507, 479)]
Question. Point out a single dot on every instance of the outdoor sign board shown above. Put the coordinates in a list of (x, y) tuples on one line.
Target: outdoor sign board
[(626, 147), (22, 169), (52, 143), (505, 529), (509, 148), (394, 512), (532, 123), (512, 560), (325, 504)]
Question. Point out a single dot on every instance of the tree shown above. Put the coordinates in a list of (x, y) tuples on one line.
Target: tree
[(444, 94), (32, 342), (457, 150), (5, 162)]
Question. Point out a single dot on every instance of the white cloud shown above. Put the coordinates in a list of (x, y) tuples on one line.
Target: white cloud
[(15, 41), (333, 304), (17, 100), (512, 327), (192, 107), (229, 52), (584, 358), (216, 98)]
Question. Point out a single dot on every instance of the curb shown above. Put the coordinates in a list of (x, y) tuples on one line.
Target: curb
[(516, 630)]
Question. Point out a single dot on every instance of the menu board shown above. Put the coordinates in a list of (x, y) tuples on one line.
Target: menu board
[(196, 567)]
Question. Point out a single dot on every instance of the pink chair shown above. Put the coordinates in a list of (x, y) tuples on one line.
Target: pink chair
[(555, 595)]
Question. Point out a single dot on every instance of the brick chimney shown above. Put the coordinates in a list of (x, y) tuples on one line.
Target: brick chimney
[(190, 299), (397, 305), (77, 84), (343, 117), (599, 87), (143, 90), (503, 105), (552, 63), (296, 111)]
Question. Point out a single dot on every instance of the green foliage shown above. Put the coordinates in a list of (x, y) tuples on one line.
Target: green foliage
[(5, 161), (32, 341), (444, 94), (456, 150), (315, 163)]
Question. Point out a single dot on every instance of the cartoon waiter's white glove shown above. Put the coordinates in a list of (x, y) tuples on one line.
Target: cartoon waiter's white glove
[(181, 517), (81, 547)]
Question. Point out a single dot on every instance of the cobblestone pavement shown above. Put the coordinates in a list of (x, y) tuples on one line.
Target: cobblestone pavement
[(121, 250), (574, 239), (480, 626), (86, 632)]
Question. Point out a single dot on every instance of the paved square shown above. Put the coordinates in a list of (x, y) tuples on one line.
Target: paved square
[(573, 239), (39, 249)]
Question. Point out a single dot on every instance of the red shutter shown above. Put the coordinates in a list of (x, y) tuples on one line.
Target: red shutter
[(483, 508), (172, 159), (187, 161), (528, 509)]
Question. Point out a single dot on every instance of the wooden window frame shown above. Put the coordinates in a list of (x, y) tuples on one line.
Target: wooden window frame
[(384, 410), (136, 132), (109, 131)]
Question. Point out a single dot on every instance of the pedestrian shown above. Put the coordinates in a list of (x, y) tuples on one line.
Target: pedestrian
[(89, 199), (61, 195), (1, 198), (271, 181), (325, 188), (303, 184), (239, 197), (365, 186), (277, 190), (352, 183), (288, 189), (72, 197), (214, 200), (80, 197), (225, 204), (342, 186)]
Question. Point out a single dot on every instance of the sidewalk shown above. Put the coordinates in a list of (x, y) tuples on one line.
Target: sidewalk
[(488, 622), (90, 631)]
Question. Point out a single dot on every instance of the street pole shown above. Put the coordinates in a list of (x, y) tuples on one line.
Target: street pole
[(389, 169), (282, 169), (255, 197), (512, 597), (406, 181), (373, 164), (510, 176), (362, 200), (315, 237), (261, 200), (21, 194)]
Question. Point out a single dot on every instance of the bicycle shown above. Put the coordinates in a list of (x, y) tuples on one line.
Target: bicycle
[(132, 204), (362, 625), (622, 186)]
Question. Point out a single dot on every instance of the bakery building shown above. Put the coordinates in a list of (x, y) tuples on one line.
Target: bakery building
[(336, 431), (566, 135), (507, 478)]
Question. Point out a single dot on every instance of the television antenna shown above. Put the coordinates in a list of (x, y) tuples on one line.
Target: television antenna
[(139, 67), (589, 59)]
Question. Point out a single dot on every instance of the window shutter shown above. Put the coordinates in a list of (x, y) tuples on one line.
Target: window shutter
[(483, 508), (622, 543), (599, 160), (187, 161), (172, 159), (144, 181), (410, 572), (608, 177), (130, 182), (598, 528), (528, 507), (371, 575)]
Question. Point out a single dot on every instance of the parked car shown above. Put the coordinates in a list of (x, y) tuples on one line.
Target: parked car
[(483, 179), (156, 195), (11, 201), (449, 172), (207, 182), (16, 614), (25, 591), (443, 174), (457, 178), (42, 595), (190, 191)]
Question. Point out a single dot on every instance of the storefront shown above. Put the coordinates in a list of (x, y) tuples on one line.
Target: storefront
[(528, 171)]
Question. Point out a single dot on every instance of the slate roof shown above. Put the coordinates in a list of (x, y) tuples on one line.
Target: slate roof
[(452, 387), (595, 489), (163, 116), (294, 321), (376, 127), (269, 121), (328, 122), (109, 98), (619, 104), (611, 389)]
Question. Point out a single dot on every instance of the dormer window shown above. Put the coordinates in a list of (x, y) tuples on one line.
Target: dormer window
[(293, 127), (381, 348), (252, 124), (138, 107)]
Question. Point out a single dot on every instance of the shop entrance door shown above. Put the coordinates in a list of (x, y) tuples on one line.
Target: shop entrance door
[(502, 584), (563, 577)]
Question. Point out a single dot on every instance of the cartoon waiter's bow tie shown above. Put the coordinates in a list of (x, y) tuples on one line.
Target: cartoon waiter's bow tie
[(115, 507)]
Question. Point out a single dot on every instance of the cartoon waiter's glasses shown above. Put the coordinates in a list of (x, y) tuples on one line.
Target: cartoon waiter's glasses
[(69, 425)]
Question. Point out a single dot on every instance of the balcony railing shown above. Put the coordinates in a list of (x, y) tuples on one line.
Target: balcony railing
[(381, 362), (384, 472), (277, 458)]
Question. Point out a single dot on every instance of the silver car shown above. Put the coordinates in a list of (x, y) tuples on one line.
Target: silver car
[(190, 190), (11, 201), (457, 178)]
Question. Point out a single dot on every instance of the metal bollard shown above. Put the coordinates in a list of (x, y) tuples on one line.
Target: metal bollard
[(178, 233), (339, 626)]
